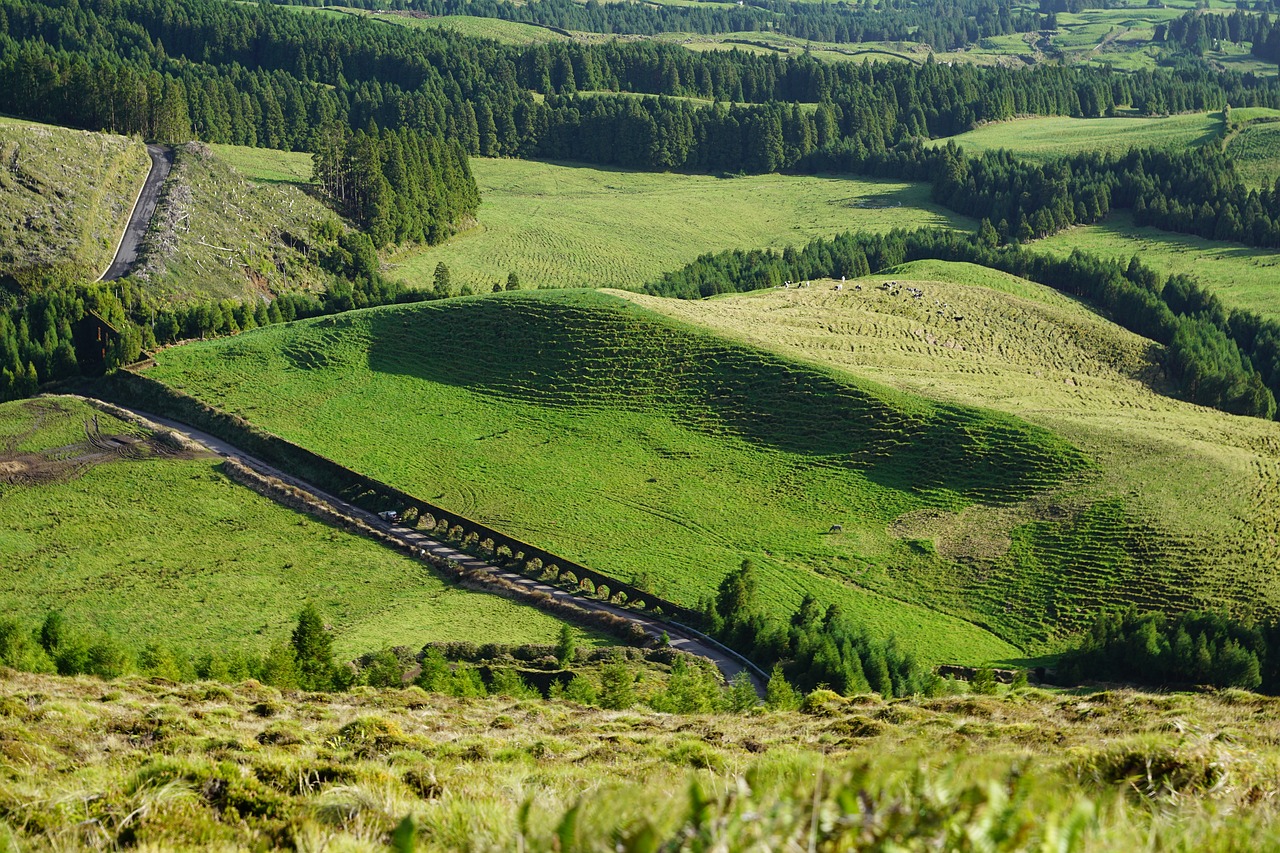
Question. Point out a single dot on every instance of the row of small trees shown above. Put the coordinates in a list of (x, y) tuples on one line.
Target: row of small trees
[(819, 647), (60, 646)]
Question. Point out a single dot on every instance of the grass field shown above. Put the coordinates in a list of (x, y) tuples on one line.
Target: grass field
[(1049, 137), (1256, 150), (1242, 276), (578, 226), (160, 766), (65, 197), (166, 547), (1182, 503), (507, 32), (221, 233), (266, 165), (606, 433)]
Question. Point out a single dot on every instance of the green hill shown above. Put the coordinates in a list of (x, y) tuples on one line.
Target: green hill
[(644, 447), (1179, 509), (65, 196), (147, 543)]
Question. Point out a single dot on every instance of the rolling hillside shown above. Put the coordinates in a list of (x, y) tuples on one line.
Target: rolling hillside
[(144, 542), (644, 448), (65, 196), (1182, 503)]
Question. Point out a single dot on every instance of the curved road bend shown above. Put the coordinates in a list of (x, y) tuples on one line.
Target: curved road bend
[(143, 209), (679, 638)]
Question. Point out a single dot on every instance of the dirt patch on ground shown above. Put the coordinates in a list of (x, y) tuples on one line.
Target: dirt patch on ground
[(60, 464)]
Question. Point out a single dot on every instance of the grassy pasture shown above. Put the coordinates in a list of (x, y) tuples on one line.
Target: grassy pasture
[(507, 32), (266, 165), (1256, 150), (1049, 137), (638, 446), (166, 547), (130, 759), (1242, 276), (573, 226), (1182, 503), (65, 196)]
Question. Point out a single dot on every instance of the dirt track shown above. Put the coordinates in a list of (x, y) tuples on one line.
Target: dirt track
[(143, 209), (59, 464), (680, 638)]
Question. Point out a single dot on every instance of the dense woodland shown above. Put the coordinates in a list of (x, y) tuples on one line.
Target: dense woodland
[(1177, 651), (397, 186)]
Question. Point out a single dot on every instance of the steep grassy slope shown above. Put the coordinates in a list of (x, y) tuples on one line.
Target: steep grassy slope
[(150, 544), (1182, 507), (161, 766), (577, 226), (217, 234), (1243, 277), (603, 431), (65, 196)]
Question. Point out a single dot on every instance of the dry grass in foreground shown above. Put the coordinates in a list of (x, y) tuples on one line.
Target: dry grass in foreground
[(93, 765)]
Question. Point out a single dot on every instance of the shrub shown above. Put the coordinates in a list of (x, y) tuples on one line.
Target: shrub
[(20, 650), (106, 659), (617, 687)]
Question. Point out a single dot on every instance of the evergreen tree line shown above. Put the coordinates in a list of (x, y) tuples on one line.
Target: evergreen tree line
[(1193, 191), (1227, 360), (398, 186), (306, 661), (249, 74), (1194, 648), (867, 118), (817, 648), (1197, 31), (942, 24)]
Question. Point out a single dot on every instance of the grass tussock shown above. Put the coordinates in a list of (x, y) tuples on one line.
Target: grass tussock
[(361, 770)]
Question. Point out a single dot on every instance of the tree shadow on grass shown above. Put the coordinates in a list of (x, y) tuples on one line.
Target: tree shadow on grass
[(595, 352)]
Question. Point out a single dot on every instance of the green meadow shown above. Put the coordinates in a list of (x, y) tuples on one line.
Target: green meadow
[(560, 225), (1049, 137), (1242, 276), (166, 547), (643, 448)]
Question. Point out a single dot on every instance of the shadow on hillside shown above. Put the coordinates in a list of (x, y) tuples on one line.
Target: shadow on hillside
[(598, 356)]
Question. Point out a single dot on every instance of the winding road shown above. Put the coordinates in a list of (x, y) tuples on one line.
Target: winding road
[(680, 637), (144, 207)]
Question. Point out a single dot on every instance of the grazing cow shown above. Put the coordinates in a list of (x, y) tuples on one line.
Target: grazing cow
[(839, 287), (836, 528)]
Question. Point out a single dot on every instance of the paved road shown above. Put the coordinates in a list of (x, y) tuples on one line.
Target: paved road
[(680, 638), (143, 209)]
